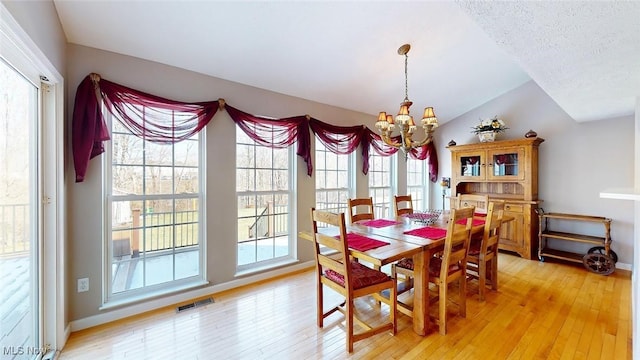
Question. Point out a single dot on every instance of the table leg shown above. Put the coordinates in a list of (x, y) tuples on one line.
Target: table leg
[(421, 292)]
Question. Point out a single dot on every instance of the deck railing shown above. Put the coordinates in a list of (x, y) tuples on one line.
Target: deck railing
[(14, 228), (161, 232), (272, 221)]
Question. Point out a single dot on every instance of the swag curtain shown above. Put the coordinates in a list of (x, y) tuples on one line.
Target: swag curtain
[(166, 121), (147, 116), (276, 133)]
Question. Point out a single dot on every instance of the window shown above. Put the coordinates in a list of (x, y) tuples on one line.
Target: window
[(264, 192), (418, 183), (155, 199), (333, 179), (380, 184)]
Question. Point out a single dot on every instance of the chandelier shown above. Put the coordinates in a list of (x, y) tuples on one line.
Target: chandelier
[(386, 124)]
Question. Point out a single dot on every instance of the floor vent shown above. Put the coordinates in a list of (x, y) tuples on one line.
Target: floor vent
[(195, 304)]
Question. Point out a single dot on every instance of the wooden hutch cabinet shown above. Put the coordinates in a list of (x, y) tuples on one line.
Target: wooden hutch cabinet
[(504, 170)]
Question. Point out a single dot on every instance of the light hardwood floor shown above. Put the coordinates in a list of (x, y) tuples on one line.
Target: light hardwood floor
[(541, 311)]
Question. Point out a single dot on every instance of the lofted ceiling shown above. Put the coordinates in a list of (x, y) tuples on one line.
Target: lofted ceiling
[(585, 55)]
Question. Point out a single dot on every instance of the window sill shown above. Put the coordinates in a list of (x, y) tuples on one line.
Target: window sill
[(152, 294), (267, 267)]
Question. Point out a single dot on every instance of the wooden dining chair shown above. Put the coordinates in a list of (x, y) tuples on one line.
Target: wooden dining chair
[(482, 261), (360, 209), (348, 278), (480, 202), (402, 204), (452, 266)]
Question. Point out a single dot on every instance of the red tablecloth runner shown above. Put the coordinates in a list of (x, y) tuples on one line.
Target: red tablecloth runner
[(378, 223), (475, 222), (363, 243), (428, 232)]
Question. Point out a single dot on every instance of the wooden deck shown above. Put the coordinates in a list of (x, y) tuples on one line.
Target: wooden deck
[(541, 311), (15, 303)]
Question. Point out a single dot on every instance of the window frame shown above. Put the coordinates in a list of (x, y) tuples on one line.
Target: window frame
[(350, 160), (389, 190), (420, 203), (291, 215), (148, 291)]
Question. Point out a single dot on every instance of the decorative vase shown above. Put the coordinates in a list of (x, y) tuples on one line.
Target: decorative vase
[(487, 136)]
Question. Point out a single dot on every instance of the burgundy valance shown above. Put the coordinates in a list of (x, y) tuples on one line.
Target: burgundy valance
[(276, 133), (147, 116), (154, 118), (163, 120)]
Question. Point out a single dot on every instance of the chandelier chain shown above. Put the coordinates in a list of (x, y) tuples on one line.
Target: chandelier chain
[(406, 78)]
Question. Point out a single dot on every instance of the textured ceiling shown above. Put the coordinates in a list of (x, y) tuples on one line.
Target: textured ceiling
[(585, 55), (344, 53)]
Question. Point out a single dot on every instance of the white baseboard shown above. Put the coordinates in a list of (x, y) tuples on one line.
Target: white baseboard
[(623, 266), (138, 308)]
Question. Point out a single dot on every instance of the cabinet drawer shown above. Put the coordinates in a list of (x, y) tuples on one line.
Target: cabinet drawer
[(516, 208)]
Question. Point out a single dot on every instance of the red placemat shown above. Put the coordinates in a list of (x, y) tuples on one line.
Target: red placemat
[(428, 232), (363, 243), (378, 223), (475, 222)]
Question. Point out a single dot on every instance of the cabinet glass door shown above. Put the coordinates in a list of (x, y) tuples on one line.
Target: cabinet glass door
[(503, 165), (470, 166)]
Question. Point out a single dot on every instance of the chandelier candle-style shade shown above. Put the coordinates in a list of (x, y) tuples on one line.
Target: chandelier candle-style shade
[(404, 120)]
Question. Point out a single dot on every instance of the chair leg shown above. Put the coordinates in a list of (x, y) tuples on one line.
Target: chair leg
[(320, 304), (463, 296), (393, 308), (494, 272), (349, 323), (442, 308), (482, 278)]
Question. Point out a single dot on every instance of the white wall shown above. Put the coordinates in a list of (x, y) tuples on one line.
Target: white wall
[(577, 160)]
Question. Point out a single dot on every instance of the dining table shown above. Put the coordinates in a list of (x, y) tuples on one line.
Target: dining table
[(407, 237)]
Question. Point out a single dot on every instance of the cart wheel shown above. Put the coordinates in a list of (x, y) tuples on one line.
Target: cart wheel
[(541, 258), (599, 263), (600, 250)]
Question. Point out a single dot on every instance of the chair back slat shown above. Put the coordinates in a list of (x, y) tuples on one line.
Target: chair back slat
[(402, 204), (492, 226), (360, 209), (456, 244)]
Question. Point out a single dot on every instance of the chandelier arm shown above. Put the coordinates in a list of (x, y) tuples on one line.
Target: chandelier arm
[(387, 140), (428, 138)]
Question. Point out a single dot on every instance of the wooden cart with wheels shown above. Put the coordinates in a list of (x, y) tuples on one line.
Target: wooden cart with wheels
[(598, 259)]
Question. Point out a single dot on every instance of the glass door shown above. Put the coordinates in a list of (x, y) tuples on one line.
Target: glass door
[(471, 165), (505, 164), (20, 330)]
